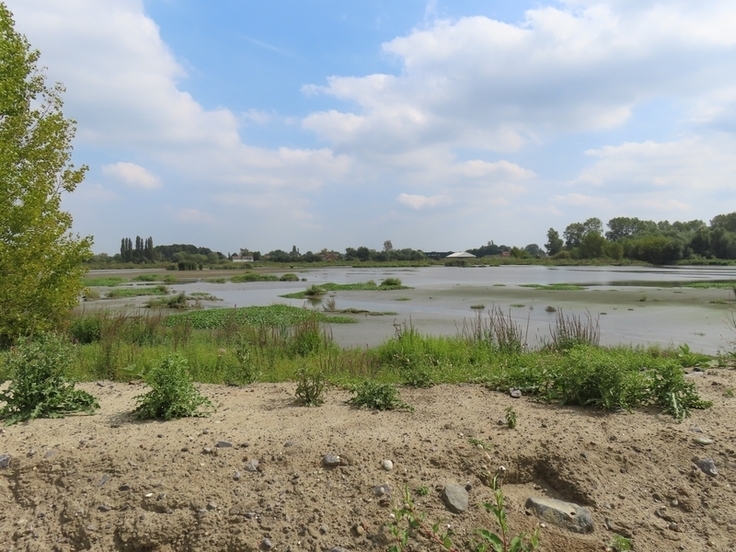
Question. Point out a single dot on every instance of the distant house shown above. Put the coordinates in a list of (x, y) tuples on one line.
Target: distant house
[(242, 257), (461, 255)]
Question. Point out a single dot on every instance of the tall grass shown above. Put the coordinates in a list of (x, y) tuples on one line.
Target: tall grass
[(275, 345)]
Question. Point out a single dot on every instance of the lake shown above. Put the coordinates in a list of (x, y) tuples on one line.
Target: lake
[(634, 305)]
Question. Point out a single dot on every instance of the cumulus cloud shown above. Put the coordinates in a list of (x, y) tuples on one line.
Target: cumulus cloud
[(493, 85), (131, 174)]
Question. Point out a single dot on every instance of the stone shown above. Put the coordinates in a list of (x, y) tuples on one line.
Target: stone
[(455, 498), (266, 544), (252, 465), (337, 549), (331, 460), (566, 515), (237, 476), (53, 453), (388, 465), (515, 392), (382, 490), (707, 466), (4, 461), (703, 441), (104, 508), (223, 444)]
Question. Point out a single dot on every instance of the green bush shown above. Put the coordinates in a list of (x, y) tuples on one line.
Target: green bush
[(172, 393), (391, 282), (39, 387), (377, 396), (86, 329), (289, 277), (310, 389)]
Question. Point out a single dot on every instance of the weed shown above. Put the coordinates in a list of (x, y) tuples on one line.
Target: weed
[(310, 389), (377, 396), (571, 330), (494, 542), (172, 393), (510, 416), (329, 305), (423, 490), (415, 524), (478, 443), (620, 544), (518, 305), (550, 308), (39, 388), (391, 282), (691, 359), (480, 306), (728, 393)]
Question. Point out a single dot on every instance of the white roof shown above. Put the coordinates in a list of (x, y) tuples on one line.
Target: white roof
[(461, 255)]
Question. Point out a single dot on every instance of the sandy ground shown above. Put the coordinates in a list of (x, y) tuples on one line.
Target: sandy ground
[(108, 482)]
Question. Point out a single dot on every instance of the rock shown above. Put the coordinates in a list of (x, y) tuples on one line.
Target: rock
[(382, 490), (266, 544), (515, 392), (4, 461), (252, 465), (337, 549), (237, 476), (703, 441), (562, 514), (53, 453), (104, 508), (224, 444), (388, 465), (331, 460), (707, 466), (455, 498)]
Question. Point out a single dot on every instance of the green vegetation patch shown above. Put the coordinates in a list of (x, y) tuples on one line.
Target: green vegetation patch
[(39, 387), (120, 293), (555, 287), (253, 277), (364, 286), (722, 284), (275, 316), (103, 281)]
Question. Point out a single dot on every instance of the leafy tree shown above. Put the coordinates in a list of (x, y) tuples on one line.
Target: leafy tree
[(727, 222), (40, 259), (554, 242), (574, 235)]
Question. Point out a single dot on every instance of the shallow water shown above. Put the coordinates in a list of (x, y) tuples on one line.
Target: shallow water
[(634, 305)]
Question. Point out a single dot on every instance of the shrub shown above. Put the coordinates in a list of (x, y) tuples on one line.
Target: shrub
[(86, 329), (289, 277), (310, 389), (39, 388), (314, 290), (172, 393), (377, 396), (391, 282), (571, 330)]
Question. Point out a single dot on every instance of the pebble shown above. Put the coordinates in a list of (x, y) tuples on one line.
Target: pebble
[(388, 465), (252, 465), (224, 444), (707, 466), (703, 441), (104, 508), (331, 460), (515, 392), (382, 490), (266, 544), (567, 515), (4, 461), (53, 453), (237, 476), (455, 498)]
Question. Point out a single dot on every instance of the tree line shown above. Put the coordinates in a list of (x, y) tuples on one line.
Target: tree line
[(646, 240)]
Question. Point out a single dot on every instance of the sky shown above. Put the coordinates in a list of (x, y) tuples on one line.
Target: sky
[(438, 125)]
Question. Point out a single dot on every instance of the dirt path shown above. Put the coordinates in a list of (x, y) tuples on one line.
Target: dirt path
[(107, 482)]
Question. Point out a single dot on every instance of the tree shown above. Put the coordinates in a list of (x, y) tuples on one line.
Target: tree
[(554, 242), (388, 247), (40, 259)]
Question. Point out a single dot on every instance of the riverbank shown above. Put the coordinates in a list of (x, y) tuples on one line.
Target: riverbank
[(108, 482)]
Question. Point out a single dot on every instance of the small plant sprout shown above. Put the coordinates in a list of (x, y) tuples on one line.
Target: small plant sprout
[(510, 415), (503, 542), (619, 544)]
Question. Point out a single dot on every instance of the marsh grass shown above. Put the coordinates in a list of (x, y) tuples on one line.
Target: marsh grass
[(137, 291), (555, 287), (389, 284), (571, 330)]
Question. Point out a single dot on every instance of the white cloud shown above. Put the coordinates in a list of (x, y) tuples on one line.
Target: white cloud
[(422, 202), (190, 215), (487, 84), (131, 174)]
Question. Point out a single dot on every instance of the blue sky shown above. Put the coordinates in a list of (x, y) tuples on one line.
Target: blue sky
[(438, 125)]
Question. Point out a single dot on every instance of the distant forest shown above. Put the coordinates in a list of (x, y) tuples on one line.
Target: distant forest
[(631, 238)]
